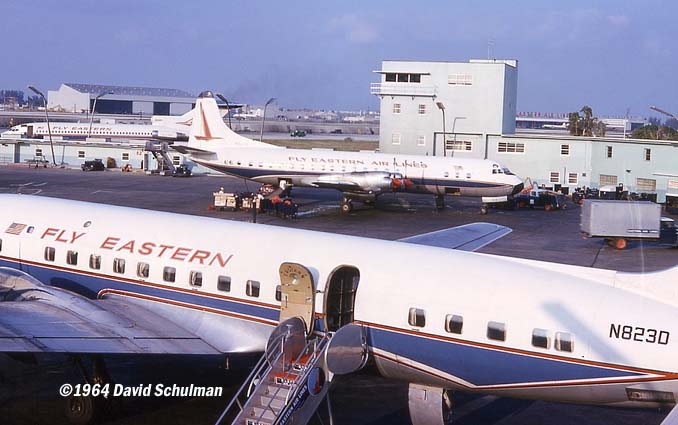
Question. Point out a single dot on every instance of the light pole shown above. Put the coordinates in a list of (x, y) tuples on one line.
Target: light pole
[(440, 106), (263, 118), (228, 109), (94, 107), (49, 129)]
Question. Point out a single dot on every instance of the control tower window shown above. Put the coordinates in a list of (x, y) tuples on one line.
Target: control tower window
[(391, 77), (415, 78), (403, 78)]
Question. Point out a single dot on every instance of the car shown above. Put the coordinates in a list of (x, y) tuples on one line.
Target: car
[(181, 171), (298, 133), (94, 165), (540, 198)]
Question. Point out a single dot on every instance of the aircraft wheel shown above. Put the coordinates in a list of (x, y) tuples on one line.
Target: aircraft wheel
[(440, 202), (483, 210), (548, 207), (81, 410), (346, 207), (620, 243)]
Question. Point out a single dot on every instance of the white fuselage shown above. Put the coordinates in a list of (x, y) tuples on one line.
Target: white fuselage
[(528, 329), (82, 130)]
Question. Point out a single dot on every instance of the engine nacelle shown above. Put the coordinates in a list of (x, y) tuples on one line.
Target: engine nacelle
[(429, 405), (368, 182)]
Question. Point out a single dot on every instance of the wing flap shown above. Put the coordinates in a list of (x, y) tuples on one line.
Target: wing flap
[(468, 237)]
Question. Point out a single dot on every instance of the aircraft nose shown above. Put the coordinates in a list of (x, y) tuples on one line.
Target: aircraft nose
[(518, 188)]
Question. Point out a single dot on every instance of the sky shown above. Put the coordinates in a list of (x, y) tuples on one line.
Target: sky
[(611, 55)]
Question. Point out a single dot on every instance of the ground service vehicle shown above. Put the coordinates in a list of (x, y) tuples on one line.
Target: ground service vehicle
[(94, 165)]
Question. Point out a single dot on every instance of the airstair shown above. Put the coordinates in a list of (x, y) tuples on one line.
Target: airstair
[(294, 375), (159, 152)]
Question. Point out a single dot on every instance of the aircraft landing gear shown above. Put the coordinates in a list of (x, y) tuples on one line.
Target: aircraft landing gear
[(346, 205), (86, 410), (483, 209), (286, 188), (440, 202)]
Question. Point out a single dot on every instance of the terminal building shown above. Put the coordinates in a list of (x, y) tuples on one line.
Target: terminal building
[(473, 105), (75, 97)]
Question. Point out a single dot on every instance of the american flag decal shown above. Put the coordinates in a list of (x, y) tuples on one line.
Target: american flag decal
[(15, 228)]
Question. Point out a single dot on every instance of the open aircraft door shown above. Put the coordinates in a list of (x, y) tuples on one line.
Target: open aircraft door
[(297, 294)]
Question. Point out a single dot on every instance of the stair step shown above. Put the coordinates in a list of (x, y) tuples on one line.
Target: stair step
[(260, 412), (270, 390), (277, 403), (255, 422)]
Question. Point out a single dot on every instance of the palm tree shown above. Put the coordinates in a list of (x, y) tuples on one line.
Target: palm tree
[(574, 124), (587, 120)]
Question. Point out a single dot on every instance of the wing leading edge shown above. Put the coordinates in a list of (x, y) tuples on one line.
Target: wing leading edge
[(468, 237)]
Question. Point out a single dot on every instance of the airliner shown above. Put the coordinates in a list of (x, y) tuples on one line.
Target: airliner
[(359, 176), (433, 314)]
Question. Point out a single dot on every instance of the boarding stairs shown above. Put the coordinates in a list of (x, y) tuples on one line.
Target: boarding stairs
[(159, 150), (286, 386)]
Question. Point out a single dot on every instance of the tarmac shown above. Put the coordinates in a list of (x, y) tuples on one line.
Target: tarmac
[(29, 389)]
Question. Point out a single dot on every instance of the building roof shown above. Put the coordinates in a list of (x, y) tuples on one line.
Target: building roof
[(96, 89)]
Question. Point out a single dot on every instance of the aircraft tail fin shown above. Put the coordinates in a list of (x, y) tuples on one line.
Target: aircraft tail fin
[(209, 132)]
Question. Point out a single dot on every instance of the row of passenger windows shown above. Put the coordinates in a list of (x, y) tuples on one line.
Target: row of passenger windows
[(496, 331), (169, 274)]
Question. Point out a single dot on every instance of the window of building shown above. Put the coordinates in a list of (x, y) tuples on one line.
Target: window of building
[(554, 177), (118, 265), (422, 109), (609, 151), (143, 269), (415, 78), (278, 293), (403, 78), (169, 274), (49, 253), (390, 77), (81, 154), (458, 145), (648, 154), (460, 79), (195, 278), (454, 323), (509, 147), (421, 140), (540, 338), (572, 178), (95, 262), (564, 342), (608, 180), (396, 108), (125, 156), (224, 283), (252, 288), (564, 149), (72, 258), (395, 138), (496, 331), (646, 185), (38, 152), (417, 317)]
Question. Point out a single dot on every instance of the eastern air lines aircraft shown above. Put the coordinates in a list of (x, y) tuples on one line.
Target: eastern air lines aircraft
[(358, 175), (81, 280)]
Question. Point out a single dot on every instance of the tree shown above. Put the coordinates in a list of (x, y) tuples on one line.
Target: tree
[(599, 128), (587, 121), (654, 132), (574, 124)]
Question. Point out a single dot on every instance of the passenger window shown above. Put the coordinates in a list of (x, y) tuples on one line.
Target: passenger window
[(454, 323), (30, 229), (564, 342), (278, 293), (540, 338), (143, 269), (417, 317), (496, 331), (0, 245), (72, 257), (169, 274), (252, 289), (118, 265), (224, 283), (95, 262), (195, 279), (49, 253)]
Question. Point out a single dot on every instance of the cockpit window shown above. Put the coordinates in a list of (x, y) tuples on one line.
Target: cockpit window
[(507, 172)]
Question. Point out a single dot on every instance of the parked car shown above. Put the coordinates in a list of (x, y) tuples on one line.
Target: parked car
[(541, 198), (181, 171), (94, 165)]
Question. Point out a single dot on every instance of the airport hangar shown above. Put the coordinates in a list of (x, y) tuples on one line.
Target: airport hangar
[(474, 104), (76, 97)]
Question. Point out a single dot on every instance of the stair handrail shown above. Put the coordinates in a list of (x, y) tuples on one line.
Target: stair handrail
[(302, 378), (263, 361)]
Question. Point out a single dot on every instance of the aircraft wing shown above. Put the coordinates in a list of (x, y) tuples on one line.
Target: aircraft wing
[(48, 319), (468, 237)]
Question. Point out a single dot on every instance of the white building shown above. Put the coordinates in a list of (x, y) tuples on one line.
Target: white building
[(478, 97), (74, 97)]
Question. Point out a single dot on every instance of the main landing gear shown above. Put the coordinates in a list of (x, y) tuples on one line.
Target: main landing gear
[(86, 410), (346, 205), (440, 202)]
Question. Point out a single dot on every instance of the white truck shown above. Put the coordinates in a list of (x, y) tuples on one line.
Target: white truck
[(621, 221)]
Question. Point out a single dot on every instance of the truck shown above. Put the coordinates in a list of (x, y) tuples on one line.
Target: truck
[(546, 199), (620, 221)]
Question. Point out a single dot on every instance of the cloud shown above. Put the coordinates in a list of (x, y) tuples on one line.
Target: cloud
[(356, 30)]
